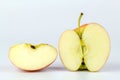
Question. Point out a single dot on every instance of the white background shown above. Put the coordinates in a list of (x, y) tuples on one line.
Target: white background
[(43, 21)]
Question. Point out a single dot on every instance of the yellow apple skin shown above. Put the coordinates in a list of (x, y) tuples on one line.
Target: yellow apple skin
[(18, 46)]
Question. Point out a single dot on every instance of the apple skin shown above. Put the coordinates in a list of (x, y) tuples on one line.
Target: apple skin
[(32, 70), (81, 27)]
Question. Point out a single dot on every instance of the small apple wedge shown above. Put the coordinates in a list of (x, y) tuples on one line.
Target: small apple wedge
[(30, 57), (86, 47)]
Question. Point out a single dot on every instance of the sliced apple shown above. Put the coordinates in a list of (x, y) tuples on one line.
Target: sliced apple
[(32, 57), (86, 47), (97, 43), (70, 50)]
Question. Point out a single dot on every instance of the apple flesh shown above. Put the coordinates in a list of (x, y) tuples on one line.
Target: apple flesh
[(32, 57), (86, 47)]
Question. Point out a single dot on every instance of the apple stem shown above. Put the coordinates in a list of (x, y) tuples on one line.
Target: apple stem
[(79, 20)]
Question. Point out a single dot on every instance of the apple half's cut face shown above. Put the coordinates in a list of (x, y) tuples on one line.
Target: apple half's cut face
[(32, 57), (89, 50)]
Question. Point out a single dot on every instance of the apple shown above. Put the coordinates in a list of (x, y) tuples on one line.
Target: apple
[(30, 57), (84, 48)]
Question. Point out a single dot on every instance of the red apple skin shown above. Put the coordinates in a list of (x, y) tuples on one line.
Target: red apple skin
[(32, 70), (81, 27)]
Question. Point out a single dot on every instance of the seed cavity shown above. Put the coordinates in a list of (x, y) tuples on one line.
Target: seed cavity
[(83, 63), (33, 47)]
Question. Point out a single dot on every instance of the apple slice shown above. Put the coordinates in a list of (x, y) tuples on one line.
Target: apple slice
[(32, 57), (86, 47), (97, 43), (70, 50)]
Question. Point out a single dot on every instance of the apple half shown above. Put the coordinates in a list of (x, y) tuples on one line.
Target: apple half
[(30, 57), (86, 47)]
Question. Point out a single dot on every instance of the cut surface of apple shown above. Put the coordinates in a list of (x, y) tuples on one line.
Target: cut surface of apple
[(87, 47), (70, 50), (97, 44), (32, 57)]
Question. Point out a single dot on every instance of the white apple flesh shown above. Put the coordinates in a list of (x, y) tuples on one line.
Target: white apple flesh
[(70, 50), (32, 57), (87, 47)]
